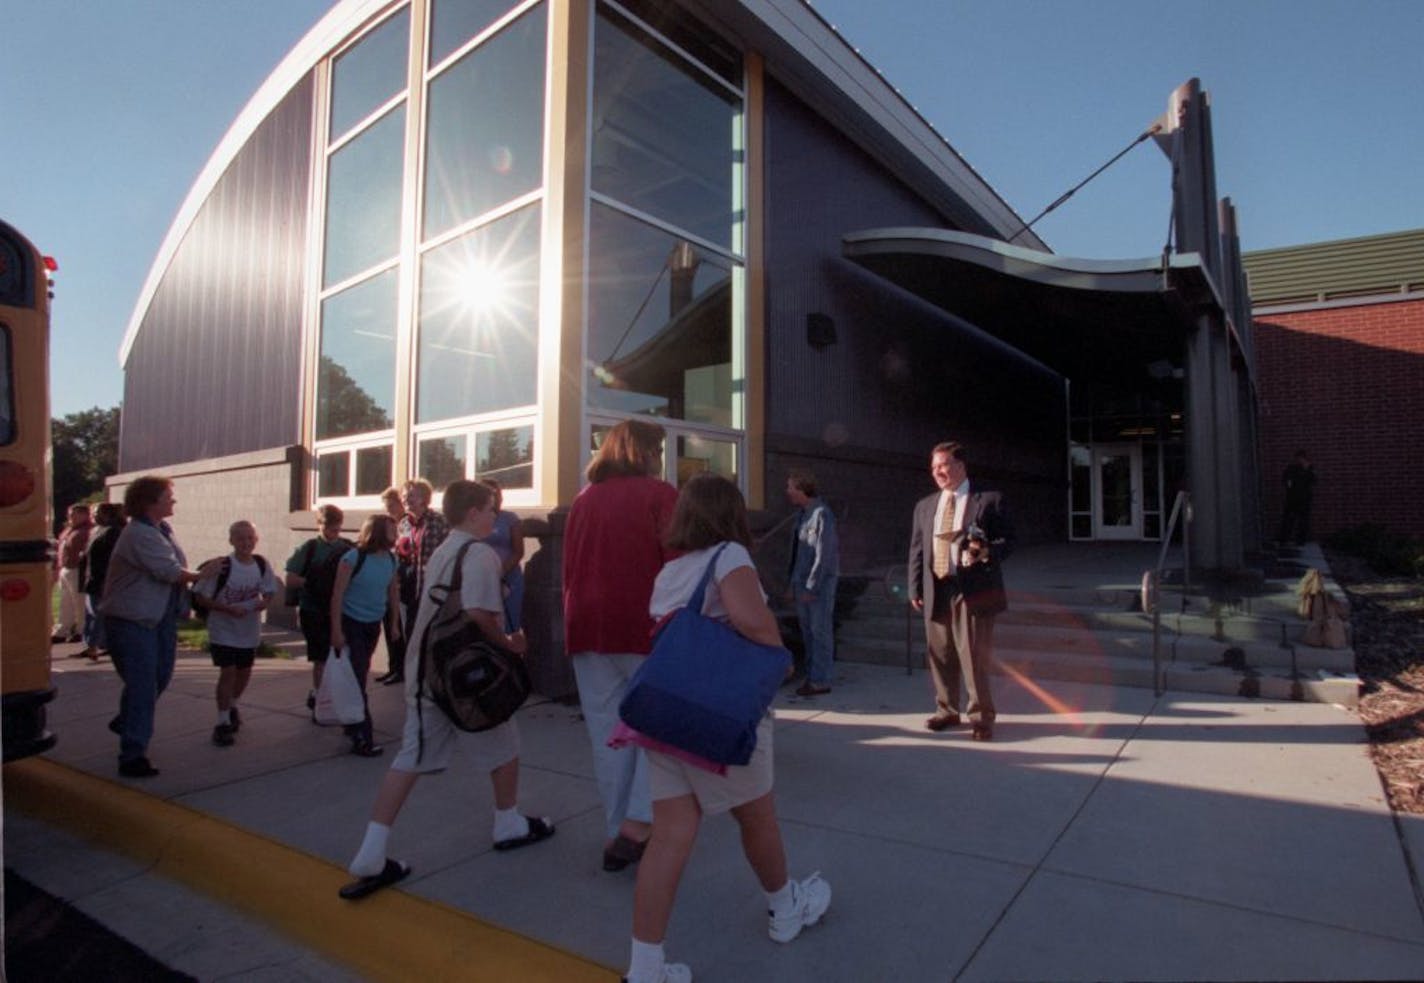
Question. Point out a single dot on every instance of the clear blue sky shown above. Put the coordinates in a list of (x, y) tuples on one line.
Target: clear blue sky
[(110, 109)]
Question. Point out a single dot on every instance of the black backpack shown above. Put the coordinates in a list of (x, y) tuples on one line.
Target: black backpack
[(475, 684), (201, 601), (319, 580)]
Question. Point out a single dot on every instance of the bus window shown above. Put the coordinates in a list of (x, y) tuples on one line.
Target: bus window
[(7, 400), (26, 552)]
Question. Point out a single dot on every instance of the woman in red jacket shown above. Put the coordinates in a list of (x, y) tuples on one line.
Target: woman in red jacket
[(613, 550)]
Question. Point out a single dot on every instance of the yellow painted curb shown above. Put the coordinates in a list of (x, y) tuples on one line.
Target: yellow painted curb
[(393, 936)]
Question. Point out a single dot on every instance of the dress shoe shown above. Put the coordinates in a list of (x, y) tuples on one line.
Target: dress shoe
[(942, 721), (136, 768), (982, 732), (809, 688)]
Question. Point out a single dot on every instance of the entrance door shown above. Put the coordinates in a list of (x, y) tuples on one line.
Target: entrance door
[(1117, 491)]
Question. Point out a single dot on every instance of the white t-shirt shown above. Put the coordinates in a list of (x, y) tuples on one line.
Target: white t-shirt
[(678, 579), (244, 589), (480, 587)]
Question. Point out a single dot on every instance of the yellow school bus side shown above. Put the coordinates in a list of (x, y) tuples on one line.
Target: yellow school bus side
[(26, 552)]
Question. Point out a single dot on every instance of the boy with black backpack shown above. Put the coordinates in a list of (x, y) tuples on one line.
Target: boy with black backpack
[(311, 571), (429, 737), (231, 596)]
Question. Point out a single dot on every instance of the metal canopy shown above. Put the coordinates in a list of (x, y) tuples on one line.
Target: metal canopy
[(1086, 319)]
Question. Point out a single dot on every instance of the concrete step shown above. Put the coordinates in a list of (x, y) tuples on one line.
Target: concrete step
[(1126, 643), (1271, 683)]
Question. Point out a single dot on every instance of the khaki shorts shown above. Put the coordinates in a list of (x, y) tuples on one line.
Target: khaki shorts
[(487, 749), (670, 777)]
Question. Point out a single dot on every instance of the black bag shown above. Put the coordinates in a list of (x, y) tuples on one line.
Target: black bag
[(201, 601), (475, 684), (319, 580)]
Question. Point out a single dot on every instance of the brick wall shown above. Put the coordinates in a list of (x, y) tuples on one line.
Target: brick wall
[(1347, 385), (211, 495)]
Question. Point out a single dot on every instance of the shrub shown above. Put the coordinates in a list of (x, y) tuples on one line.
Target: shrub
[(1390, 553)]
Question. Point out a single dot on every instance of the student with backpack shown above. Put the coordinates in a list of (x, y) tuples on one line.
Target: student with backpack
[(365, 594), (311, 572), (429, 737), (232, 596)]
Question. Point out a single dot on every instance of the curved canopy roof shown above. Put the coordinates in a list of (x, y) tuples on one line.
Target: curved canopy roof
[(1086, 319)]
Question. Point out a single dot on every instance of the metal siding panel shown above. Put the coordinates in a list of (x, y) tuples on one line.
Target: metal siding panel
[(220, 345), (901, 371)]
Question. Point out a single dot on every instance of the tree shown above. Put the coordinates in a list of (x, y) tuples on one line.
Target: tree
[(86, 451)]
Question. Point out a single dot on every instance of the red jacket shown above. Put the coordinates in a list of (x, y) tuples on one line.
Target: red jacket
[(613, 550)]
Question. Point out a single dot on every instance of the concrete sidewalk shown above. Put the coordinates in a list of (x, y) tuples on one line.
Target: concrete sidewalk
[(1103, 834)]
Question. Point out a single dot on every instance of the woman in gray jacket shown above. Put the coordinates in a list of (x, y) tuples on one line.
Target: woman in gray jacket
[(142, 596)]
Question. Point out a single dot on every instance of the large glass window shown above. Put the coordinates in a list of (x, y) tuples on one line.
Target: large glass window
[(660, 322), (363, 199), (666, 135), (485, 130), (369, 73), (355, 380), (479, 320)]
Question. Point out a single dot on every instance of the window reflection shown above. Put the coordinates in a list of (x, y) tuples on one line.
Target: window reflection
[(369, 73), (356, 376), (506, 456), (479, 320), (363, 199), (698, 454), (333, 475), (373, 469), (666, 138), (485, 141), (660, 334), (453, 22), (441, 461)]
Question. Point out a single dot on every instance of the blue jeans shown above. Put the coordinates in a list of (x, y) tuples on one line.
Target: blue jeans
[(144, 658), (94, 636), (818, 633)]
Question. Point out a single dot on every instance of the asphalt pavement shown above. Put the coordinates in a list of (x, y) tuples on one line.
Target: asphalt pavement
[(1105, 833)]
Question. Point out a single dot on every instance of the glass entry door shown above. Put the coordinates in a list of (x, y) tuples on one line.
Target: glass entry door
[(1117, 491)]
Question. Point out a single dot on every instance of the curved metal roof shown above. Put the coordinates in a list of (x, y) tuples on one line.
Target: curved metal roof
[(1083, 318)]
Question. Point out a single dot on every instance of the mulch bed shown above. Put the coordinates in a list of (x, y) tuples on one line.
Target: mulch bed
[(1387, 620)]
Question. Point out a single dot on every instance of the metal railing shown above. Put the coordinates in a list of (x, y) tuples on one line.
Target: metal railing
[(1181, 509)]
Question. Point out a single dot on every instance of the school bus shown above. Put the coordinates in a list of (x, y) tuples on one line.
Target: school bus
[(26, 551)]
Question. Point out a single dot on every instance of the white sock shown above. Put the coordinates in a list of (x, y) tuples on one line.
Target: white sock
[(645, 962), (782, 903), (225, 716), (370, 860), (509, 824)]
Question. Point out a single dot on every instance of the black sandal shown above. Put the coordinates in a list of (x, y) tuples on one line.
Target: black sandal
[(392, 873), (622, 852), (539, 829)]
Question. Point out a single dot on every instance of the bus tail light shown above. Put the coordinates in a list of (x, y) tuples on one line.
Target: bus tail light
[(14, 590), (17, 483)]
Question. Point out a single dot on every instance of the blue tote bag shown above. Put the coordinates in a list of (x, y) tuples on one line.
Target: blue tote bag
[(704, 688)]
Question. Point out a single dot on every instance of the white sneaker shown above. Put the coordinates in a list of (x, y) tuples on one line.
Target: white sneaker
[(812, 897), (673, 973)]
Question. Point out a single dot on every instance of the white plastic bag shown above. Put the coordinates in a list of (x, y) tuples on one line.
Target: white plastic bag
[(339, 699)]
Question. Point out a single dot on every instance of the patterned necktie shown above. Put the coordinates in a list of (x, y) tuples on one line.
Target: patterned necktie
[(941, 540)]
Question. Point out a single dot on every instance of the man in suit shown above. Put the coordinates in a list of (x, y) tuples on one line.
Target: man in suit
[(961, 535)]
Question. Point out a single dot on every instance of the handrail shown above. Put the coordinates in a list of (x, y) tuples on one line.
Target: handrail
[(1181, 509)]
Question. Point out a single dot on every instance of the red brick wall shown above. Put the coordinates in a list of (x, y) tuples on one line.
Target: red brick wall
[(1347, 385)]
